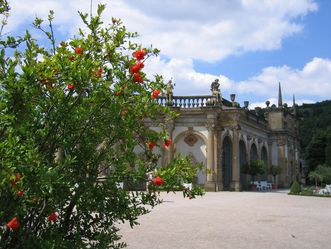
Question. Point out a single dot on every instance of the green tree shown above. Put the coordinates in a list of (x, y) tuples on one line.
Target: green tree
[(68, 114), (274, 171), (253, 168), (325, 171), (315, 176)]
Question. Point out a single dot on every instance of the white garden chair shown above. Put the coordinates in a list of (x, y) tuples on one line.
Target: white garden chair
[(187, 186)]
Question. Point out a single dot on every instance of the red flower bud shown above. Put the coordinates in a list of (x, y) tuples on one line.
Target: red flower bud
[(139, 55), (70, 86), (99, 73), (135, 68), (151, 145), (72, 57), (158, 181), (79, 50), (137, 78), (52, 217), (13, 224), (155, 93), (167, 143), (20, 193)]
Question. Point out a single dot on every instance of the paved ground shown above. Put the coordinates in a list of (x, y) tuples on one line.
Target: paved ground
[(247, 220)]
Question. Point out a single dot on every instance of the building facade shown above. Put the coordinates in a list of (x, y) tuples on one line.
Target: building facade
[(224, 136)]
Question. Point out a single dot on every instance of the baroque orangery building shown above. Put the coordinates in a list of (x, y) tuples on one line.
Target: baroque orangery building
[(224, 136)]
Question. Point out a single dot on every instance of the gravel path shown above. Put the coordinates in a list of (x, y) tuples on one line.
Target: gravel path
[(249, 220)]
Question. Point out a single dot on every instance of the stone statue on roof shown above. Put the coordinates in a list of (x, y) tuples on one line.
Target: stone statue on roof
[(216, 92), (169, 87), (169, 92), (215, 86)]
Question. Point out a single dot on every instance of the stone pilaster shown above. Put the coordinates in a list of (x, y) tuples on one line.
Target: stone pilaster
[(220, 159), (235, 159), (210, 184), (169, 153), (270, 177)]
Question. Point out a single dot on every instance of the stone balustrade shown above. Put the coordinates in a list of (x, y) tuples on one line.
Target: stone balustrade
[(188, 102)]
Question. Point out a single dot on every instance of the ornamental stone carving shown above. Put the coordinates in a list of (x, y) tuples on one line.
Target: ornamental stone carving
[(190, 140)]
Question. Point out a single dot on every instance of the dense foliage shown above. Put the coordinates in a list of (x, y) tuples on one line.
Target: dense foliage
[(70, 114), (315, 133), (322, 174)]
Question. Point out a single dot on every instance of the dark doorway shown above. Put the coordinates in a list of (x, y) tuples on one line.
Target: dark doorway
[(242, 161), (264, 158), (227, 163)]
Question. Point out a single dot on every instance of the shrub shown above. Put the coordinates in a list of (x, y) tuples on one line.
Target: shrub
[(295, 188)]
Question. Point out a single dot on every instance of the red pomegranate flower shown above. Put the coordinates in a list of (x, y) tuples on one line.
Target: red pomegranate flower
[(71, 86), (79, 50), (134, 69), (139, 54), (99, 73), (158, 181), (155, 93), (52, 217), (140, 64), (167, 143), (151, 145), (13, 224), (137, 78), (20, 193)]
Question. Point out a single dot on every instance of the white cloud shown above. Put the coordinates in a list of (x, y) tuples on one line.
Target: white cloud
[(213, 30), (205, 30), (188, 81), (312, 80)]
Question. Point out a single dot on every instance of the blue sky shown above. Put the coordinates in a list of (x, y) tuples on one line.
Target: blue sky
[(313, 41), (249, 45)]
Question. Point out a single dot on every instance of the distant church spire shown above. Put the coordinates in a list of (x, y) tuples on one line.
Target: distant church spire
[(280, 98), (294, 106)]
